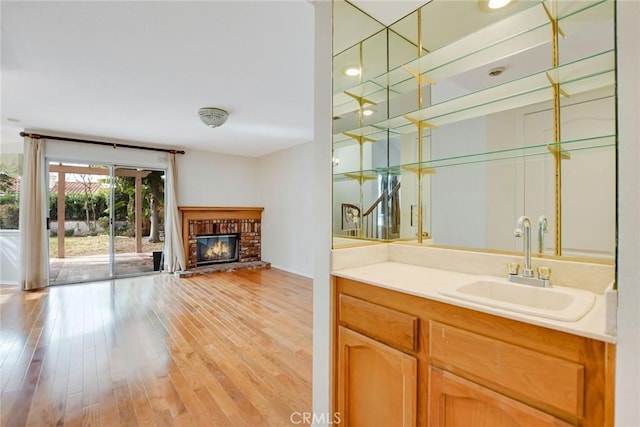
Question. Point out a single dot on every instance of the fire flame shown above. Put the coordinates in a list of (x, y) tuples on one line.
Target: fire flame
[(217, 250)]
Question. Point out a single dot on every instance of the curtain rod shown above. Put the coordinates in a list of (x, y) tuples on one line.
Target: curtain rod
[(108, 144)]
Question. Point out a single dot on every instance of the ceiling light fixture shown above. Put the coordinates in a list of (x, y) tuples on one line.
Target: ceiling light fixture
[(367, 112), (497, 4), (213, 117), (351, 70), (495, 72)]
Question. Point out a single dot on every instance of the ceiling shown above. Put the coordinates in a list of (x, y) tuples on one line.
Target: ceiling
[(139, 72), (388, 11)]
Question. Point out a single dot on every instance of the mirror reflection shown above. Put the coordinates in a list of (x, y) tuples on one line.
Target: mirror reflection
[(451, 132)]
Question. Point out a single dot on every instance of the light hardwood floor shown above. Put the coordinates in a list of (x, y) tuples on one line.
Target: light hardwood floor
[(227, 349)]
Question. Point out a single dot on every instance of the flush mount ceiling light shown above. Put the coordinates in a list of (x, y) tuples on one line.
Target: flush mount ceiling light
[(495, 72), (497, 4), (367, 112), (213, 117), (351, 70)]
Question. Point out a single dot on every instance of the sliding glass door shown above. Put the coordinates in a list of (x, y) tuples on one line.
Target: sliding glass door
[(139, 220), (105, 221)]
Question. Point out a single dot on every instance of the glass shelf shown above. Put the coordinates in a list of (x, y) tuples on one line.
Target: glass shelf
[(360, 176), (522, 152), (518, 33), (580, 76), (341, 140), (372, 91), (431, 166)]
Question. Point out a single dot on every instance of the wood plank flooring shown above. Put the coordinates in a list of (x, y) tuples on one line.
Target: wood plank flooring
[(227, 349)]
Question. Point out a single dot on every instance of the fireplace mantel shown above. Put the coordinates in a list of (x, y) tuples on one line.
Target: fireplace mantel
[(206, 219), (217, 212)]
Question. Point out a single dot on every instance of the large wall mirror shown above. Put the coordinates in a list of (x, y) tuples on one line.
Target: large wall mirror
[(456, 120)]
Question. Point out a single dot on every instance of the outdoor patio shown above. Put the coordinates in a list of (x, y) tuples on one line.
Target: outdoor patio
[(84, 268)]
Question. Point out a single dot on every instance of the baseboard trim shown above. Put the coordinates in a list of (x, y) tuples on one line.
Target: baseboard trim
[(288, 270)]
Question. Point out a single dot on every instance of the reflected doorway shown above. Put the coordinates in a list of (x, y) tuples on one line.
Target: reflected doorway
[(105, 221)]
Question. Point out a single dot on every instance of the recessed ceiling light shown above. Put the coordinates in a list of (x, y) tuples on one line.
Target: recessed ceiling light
[(351, 70), (367, 112), (497, 4)]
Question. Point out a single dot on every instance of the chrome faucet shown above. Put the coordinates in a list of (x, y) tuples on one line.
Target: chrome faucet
[(543, 227), (523, 229)]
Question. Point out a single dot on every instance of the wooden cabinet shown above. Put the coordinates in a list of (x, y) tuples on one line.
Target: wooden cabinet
[(522, 373), (456, 402), (401, 360), (377, 384), (377, 370)]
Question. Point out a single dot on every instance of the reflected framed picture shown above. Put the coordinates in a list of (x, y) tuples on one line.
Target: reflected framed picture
[(350, 216)]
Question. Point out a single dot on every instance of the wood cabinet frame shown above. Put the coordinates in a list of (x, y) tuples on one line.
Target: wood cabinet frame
[(596, 358)]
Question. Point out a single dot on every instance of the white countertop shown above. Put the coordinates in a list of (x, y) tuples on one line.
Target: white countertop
[(427, 282)]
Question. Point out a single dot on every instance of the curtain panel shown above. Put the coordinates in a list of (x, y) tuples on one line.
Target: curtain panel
[(34, 258), (174, 248)]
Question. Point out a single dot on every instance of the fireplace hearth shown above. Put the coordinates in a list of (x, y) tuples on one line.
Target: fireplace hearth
[(217, 248), (202, 221)]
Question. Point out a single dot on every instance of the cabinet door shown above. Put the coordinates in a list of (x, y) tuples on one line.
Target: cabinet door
[(377, 384), (456, 402)]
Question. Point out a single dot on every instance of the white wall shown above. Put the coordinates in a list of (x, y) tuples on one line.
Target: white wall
[(321, 230), (211, 179), (458, 202), (503, 207), (459, 193), (627, 410), (280, 182), (284, 183)]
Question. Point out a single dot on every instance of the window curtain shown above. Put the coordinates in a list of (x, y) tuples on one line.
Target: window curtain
[(11, 164), (174, 249), (34, 247)]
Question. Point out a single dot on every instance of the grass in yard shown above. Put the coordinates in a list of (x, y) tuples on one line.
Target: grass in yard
[(98, 245)]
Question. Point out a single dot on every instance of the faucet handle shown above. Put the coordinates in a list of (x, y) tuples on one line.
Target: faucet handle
[(544, 273), (513, 268)]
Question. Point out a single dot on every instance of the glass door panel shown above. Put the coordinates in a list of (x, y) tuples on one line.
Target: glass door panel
[(105, 221), (78, 222), (138, 206)]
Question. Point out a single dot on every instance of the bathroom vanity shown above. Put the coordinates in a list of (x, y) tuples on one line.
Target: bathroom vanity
[(407, 354), (449, 125)]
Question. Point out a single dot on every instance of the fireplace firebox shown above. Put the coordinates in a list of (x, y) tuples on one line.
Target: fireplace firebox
[(217, 248)]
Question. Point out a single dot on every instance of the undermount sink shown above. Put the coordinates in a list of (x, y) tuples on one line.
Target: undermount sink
[(564, 304)]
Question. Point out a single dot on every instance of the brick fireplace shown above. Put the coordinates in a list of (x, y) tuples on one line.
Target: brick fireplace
[(203, 220)]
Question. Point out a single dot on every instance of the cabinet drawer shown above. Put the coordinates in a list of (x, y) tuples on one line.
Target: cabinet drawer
[(392, 327), (527, 375)]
